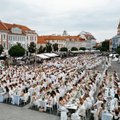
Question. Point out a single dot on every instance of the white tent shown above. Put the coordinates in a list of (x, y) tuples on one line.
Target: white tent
[(42, 56), (87, 50), (79, 51), (50, 54)]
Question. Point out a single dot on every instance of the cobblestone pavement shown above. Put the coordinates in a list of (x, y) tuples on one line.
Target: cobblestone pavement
[(115, 66), (9, 112)]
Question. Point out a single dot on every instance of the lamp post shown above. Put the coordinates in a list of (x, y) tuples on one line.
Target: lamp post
[(35, 55)]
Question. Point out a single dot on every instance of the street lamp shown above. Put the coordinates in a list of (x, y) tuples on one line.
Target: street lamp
[(35, 55)]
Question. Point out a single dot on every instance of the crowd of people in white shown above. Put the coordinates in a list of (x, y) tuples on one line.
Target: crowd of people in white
[(70, 85)]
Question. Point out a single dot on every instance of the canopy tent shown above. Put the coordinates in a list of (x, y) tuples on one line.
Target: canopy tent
[(87, 50), (42, 56), (79, 51), (51, 54)]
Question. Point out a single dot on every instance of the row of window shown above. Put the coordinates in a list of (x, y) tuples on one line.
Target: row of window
[(58, 41), (31, 38), (3, 36), (18, 38)]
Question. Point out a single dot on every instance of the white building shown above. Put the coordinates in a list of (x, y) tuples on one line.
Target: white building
[(90, 40), (11, 34), (116, 39), (62, 41)]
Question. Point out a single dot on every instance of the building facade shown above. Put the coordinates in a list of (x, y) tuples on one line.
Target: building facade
[(62, 41), (11, 34), (116, 38), (89, 39), (68, 41)]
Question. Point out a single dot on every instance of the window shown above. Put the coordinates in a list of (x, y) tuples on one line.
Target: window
[(4, 36), (4, 45), (12, 38)]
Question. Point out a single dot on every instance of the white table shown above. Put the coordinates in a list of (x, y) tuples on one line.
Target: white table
[(2, 97), (71, 106), (16, 99), (107, 116)]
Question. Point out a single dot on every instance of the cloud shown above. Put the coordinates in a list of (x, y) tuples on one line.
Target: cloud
[(100, 17)]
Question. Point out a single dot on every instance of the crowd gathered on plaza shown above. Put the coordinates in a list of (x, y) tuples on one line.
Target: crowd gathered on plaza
[(71, 85)]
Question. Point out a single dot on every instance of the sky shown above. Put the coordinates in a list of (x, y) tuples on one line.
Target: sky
[(99, 17)]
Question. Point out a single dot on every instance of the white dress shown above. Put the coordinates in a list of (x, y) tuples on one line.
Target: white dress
[(63, 113), (75, 116)]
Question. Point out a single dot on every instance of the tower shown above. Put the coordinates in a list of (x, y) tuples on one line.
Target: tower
[(65, 33), (118, 28)]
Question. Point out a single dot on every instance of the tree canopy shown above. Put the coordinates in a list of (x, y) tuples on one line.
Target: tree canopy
[(32, 47), (16, 51), (118, 50), (105, 45), (63, 49), (48, 47), (82, 48), (41, 49), (74, 49), (55, 47)]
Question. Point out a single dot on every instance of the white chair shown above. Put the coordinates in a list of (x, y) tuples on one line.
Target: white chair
[(1, 98), (50, 107), (107, 116), (75, 116), (6, 97), (16, 100), (43, 104), (25, 98)]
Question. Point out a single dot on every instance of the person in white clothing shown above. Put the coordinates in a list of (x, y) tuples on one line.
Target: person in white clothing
[(82, 109), (62, 109)]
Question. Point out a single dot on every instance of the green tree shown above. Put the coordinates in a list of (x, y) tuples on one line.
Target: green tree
[(16, 51), (105, 45), (41, 49), (48, 47), (55, 47), (63, 49), (118, 50), (82, 48), (32, 47), (102, 49), (1, 49), (74, 49)]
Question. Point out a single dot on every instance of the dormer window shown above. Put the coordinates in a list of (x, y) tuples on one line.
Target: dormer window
[(16, 30)]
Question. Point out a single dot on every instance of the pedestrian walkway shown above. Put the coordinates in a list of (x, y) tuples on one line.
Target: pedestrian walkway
[(115, 66), (8, 112)]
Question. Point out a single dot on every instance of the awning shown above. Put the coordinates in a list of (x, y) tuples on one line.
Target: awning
[(51, 54), (42, 56), (79, 51)]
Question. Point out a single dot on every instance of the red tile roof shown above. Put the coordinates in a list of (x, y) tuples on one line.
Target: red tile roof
[(2, 26), (44, 39), (89, 36), (8, 26)]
